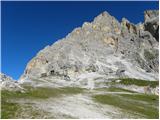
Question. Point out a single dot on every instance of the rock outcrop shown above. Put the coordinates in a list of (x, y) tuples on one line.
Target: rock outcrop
[(7, 83), (98, 51), (152, 22)]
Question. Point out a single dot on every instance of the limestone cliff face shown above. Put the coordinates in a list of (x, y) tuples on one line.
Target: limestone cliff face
[(104, 47)]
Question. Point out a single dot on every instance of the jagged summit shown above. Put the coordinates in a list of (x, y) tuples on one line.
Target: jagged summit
[(151, 15), (103, 17), (96, 52)]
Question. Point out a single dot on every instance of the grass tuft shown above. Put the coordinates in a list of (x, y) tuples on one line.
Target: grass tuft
[(8, 109), (138, 82), (115, 89)]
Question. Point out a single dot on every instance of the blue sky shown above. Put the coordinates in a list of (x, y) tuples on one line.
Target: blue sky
[(28, 27)]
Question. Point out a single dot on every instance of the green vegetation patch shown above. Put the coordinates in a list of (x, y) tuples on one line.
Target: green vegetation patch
[(11, 110), (41, 93), (8, 109), (135, 104), (115, 89), (149, 55), (151, 99), (138, 82)]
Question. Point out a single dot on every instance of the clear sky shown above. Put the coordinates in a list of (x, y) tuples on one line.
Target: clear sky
[(28, 27)]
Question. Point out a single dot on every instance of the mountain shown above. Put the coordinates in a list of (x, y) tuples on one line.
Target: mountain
[(99, 51), (104, 69)]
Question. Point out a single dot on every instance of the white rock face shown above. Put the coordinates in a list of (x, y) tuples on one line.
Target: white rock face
[(7, 83), (104, 49)]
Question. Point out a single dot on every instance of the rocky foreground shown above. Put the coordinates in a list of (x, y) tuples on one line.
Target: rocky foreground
[(74, 102), (104, 69)]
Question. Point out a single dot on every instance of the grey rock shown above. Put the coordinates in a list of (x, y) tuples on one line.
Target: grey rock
[(152, 22), (7, 83), (120, 73), (104, 47)]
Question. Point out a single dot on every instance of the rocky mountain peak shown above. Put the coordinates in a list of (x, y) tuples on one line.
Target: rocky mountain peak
[(151, 15), (104, 48), (102, 16), (106, 22)]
